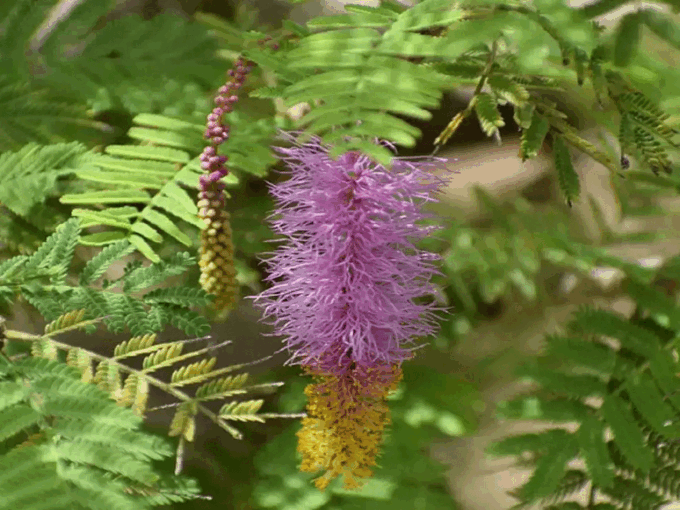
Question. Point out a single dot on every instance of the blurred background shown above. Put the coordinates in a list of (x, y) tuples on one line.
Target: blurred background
[(506, 284)]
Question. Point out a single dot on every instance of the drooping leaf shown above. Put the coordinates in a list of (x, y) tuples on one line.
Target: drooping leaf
[(649, 402), (566, 175), (627, 434), (627, 38), (532, 137), (550, 469), (487, 112), (591, 440)]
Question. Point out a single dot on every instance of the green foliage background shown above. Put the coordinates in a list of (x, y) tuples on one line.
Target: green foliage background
[(100, 132)]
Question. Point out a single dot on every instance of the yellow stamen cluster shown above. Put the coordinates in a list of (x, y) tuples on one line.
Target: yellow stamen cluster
[(346, 418), (218, 274)]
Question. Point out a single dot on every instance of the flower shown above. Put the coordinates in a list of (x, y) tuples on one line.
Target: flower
[(344, 285), (343, 294)]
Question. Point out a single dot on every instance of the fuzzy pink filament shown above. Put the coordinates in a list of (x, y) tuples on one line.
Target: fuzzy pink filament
[(345, 284)]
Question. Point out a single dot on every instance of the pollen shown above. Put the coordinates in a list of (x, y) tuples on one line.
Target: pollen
[(343, 431)]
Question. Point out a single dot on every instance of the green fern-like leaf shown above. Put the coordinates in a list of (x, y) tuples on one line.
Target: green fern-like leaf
[(189, 321), (157, 165), (168, 132), (627, 38), (135, 393), (54, 255), (663, 26), (655, 301), (155, 176), (19, 20), (636, 101), (626, 136), (29, 175), (190, 296), (220, 388), (427, 14), (97, 266), (107, 377), (535, 443), (32, 115), (591, 439), (369, 17), (635, 493), (184, 421), (532, 137), (163, 356), (571, 505), (596, 357), (652, 124), (40, 280), (487, 112), (149, 276), (50, 305), (17, 418), (44, 348), (649, 402), (533, 408), (508, 89), (138, 77), (465, 68), (358, 63), (129, 387), (566, 175), (642, 126), (242, 411), (82, 361), (580, 386), (193, 373), (68, 322), (651, 150), (600, 322), (96, 451), (549, 470), (636, 382), (136, 345)]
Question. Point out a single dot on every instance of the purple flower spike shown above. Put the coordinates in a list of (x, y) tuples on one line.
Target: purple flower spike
[(344, 284)]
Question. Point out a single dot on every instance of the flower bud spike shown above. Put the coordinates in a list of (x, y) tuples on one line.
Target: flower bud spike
[(218, 274)]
